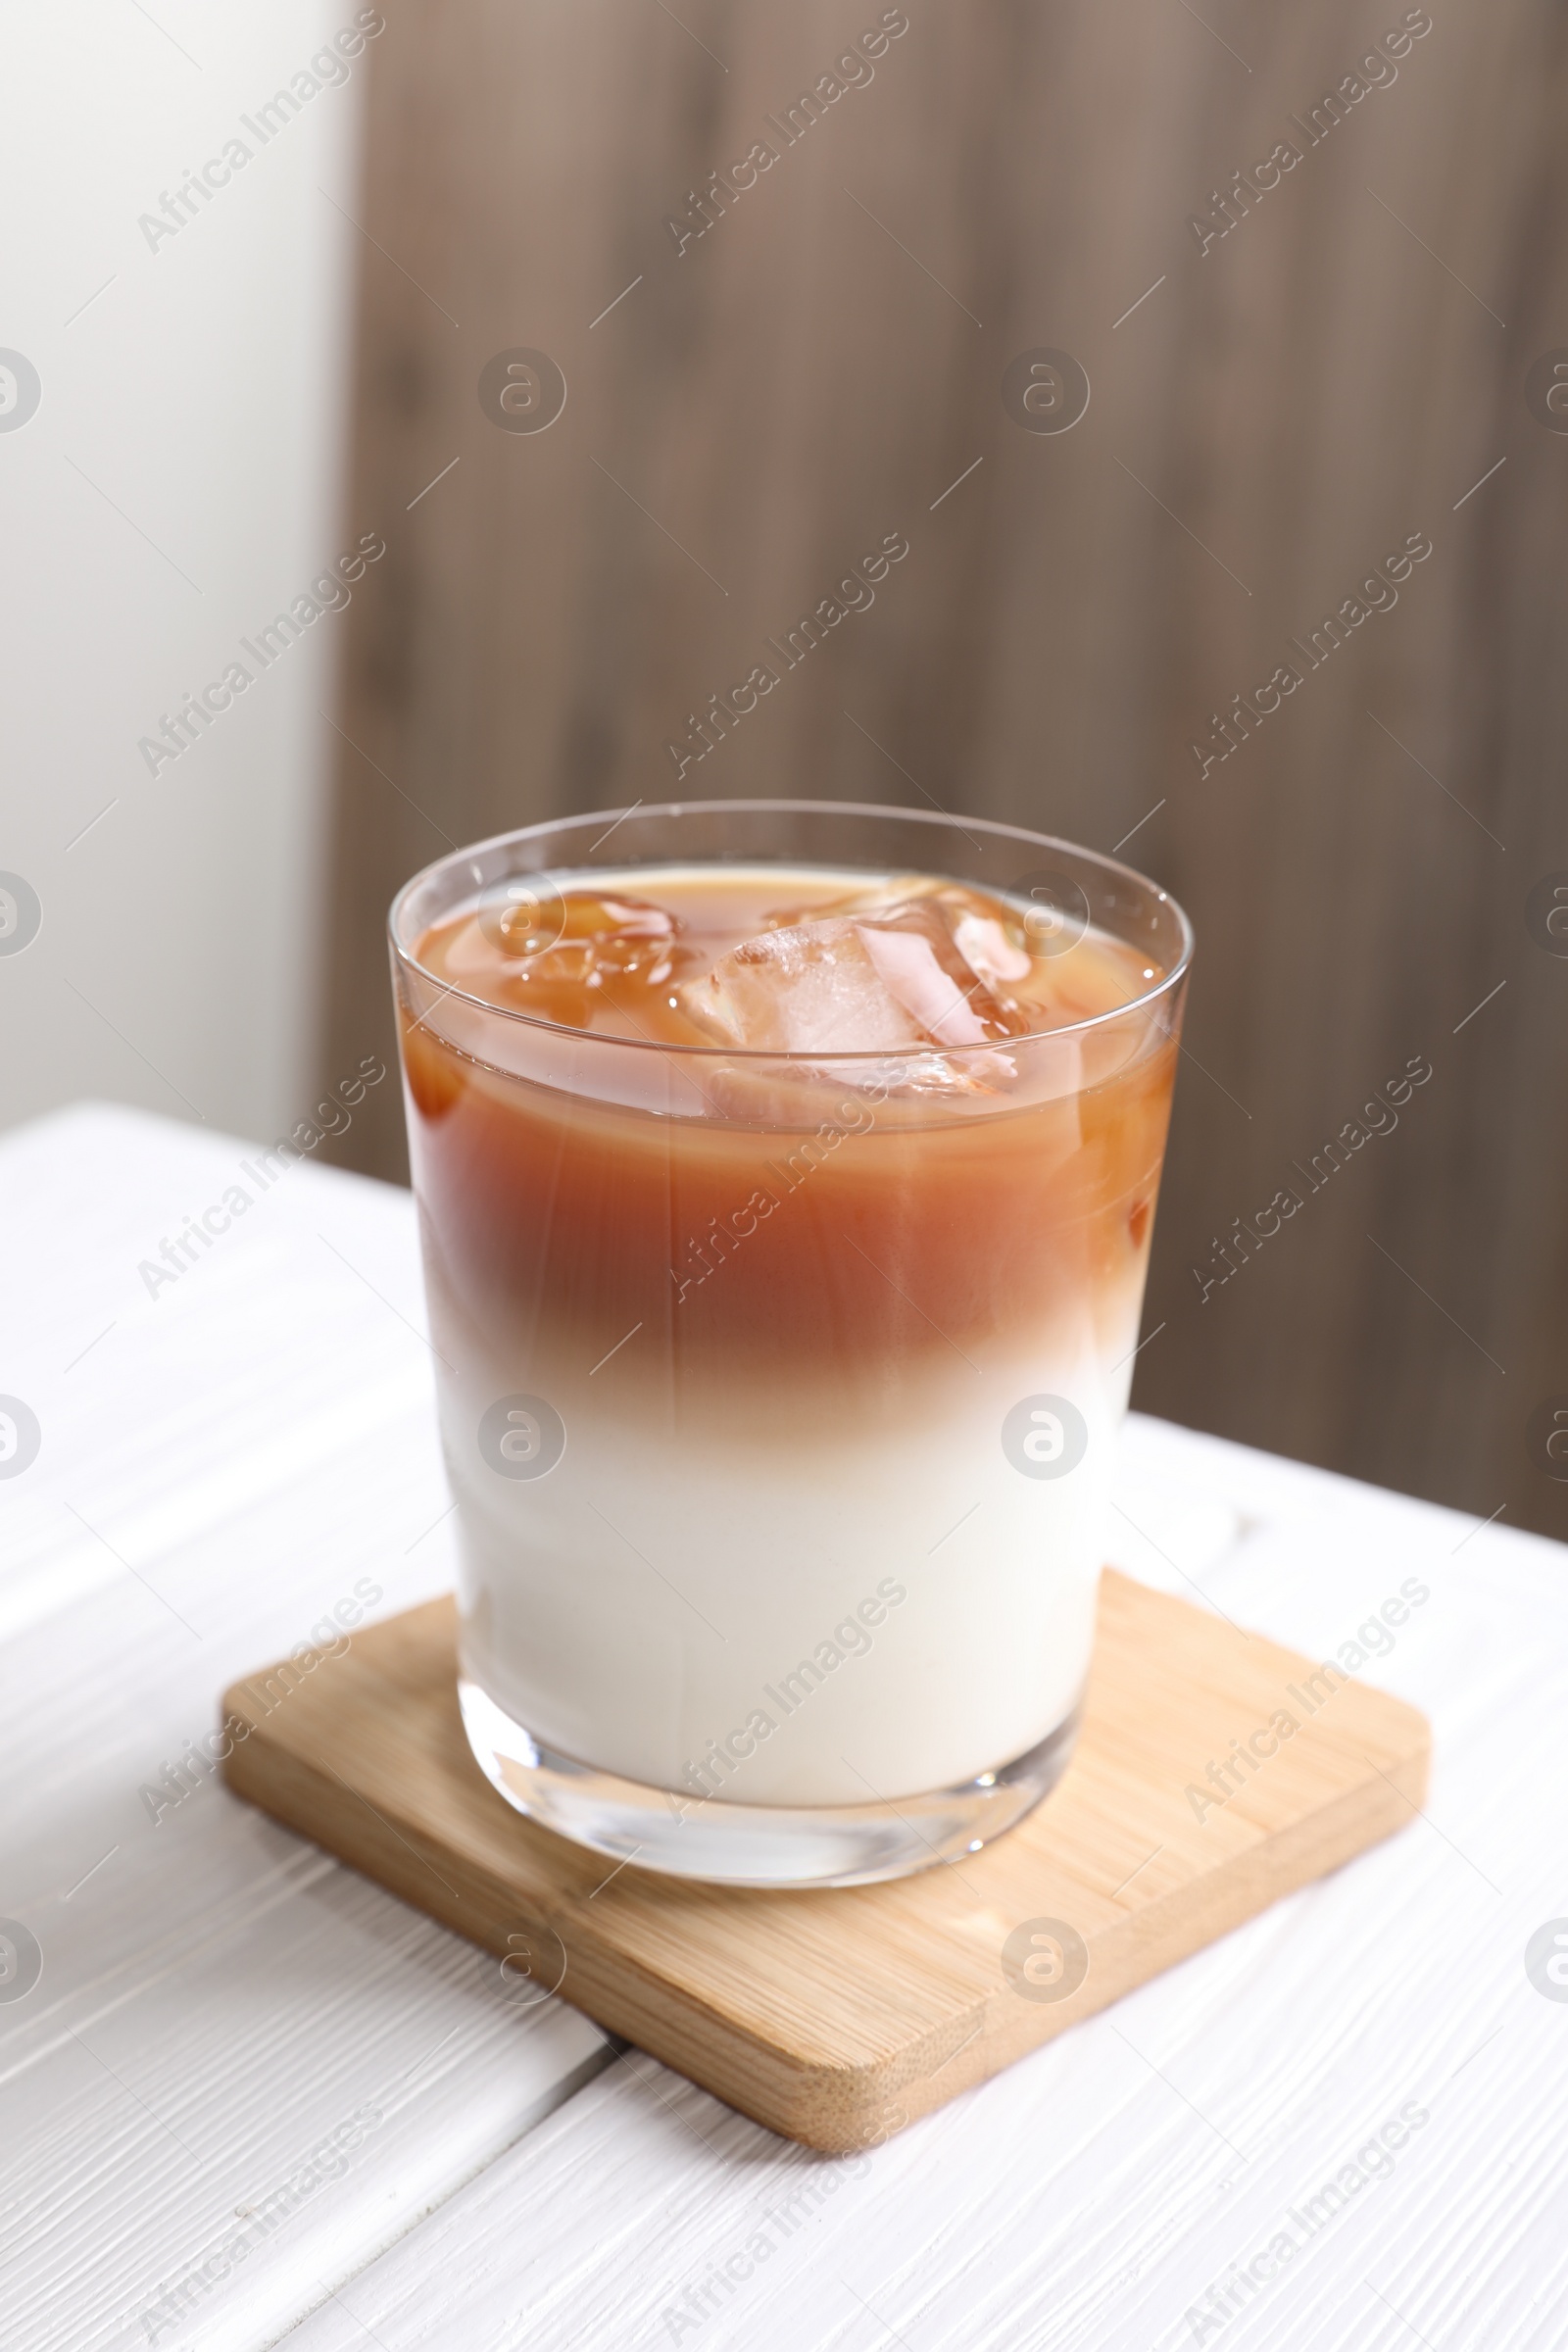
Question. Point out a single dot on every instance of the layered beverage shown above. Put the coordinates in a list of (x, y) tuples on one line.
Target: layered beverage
[(786, 1178)]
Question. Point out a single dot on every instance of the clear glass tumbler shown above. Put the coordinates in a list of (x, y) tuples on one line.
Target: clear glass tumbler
[(779, 1391)]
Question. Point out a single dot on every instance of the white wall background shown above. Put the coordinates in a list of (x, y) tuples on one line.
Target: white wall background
[(178, 485)]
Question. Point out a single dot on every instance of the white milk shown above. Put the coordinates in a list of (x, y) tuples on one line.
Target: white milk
[(868, 1619)]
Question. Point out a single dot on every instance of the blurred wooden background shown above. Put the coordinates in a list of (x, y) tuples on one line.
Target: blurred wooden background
[(1277, 416)]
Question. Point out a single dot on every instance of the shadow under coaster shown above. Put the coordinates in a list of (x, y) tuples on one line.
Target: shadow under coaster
[(838, 2015)]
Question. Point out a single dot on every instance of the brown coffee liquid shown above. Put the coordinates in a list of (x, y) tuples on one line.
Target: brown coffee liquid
[(850, 1240)]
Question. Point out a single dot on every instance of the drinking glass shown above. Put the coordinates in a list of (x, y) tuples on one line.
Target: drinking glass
[(779, 1391)]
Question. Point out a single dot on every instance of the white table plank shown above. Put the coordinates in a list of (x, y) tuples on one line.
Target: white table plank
[(217, 1999)]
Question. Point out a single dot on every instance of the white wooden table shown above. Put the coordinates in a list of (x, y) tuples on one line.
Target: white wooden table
[(252, 2099)]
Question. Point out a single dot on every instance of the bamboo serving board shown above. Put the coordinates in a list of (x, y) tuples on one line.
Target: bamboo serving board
[(837, 2015)]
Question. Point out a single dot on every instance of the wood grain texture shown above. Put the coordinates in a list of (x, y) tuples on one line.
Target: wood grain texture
[(836, 2017)]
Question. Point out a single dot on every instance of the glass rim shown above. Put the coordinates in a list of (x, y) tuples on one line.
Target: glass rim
[(1165, 986)]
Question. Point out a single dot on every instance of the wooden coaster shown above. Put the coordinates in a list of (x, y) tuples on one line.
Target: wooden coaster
[(838, 2016)]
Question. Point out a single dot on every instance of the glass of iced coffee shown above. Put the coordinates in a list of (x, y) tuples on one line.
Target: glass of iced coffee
[(785, 1173)]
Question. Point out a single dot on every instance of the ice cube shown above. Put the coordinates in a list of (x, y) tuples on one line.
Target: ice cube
[(813, 988), (890, 978), (918, 945), (562, 956), (991, 946), (577, 937), (603, 937), (983, 943)]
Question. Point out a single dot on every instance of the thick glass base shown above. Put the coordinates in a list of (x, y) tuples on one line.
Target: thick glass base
[(756, 1846)]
